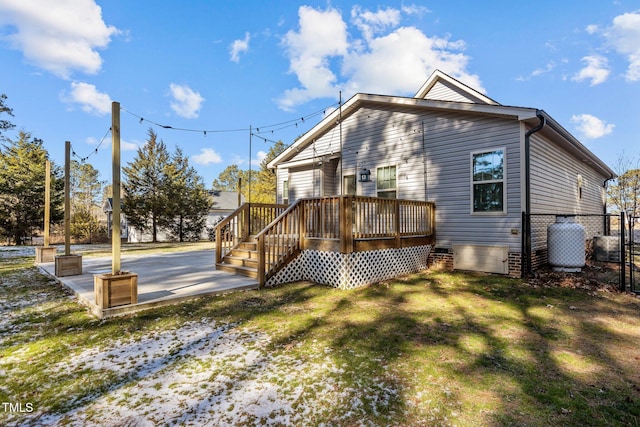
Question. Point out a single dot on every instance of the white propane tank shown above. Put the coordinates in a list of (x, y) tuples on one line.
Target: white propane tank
[(565, 244)]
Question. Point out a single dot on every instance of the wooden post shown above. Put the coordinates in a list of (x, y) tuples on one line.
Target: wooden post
[(67, 265), (261, 261), (396, 221), (47, 202), (67, 200), (218, 244), (302, 225), (115, 170), (346, 224), (239, 192), (46, 253)]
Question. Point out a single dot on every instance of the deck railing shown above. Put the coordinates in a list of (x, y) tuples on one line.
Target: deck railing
[(249, 219), (343, 224)]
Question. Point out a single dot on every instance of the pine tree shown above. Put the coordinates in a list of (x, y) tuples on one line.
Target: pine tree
[(263, 181), (22, 188), (189, 202), (85, 191), (4, 109), (145, 201)]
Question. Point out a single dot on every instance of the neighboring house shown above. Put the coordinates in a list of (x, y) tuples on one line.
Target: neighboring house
[(224, 203), (107, 208), (483, 165)]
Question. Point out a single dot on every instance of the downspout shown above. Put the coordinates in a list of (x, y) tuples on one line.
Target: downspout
[(526, 235)]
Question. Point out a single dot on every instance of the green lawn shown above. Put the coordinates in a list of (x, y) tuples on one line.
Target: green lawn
[(436, 348)]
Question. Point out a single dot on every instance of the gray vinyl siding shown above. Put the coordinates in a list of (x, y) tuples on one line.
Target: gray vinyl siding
[(444, 91), (554, 181), (374, 137), (304, 182), (450, 141)]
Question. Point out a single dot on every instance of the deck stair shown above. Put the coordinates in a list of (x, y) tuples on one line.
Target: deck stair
[(242, 260)]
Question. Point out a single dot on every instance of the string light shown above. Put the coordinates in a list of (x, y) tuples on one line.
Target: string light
[(266, 128), (258, 132), (95, 151)]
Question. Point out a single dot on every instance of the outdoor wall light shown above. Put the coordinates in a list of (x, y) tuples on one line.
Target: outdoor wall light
[(365, 175)]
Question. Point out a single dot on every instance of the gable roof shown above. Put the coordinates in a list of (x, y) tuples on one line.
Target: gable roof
[(451, 88), (442, 87)]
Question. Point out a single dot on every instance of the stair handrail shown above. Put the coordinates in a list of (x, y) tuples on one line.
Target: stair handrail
[(289, 225), (237, 235)]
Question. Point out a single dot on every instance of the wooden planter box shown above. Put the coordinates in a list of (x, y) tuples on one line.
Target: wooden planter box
[(68, 265), (115, 290), (45, 254)]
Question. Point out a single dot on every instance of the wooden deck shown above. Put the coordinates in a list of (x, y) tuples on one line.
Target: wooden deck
[(258, 240)]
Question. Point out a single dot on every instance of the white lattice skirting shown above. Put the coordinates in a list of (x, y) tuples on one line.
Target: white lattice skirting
[(347, 271)]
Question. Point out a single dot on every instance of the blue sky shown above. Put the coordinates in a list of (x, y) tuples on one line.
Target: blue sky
[(224, 67)]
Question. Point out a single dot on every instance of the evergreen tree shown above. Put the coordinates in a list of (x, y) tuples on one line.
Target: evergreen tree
[(189, 202), (85, 191), (4, 109), (22, 188), (263, 181), (145, 201)]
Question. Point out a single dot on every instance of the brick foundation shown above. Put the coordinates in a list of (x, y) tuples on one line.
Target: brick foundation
[(443, 258)]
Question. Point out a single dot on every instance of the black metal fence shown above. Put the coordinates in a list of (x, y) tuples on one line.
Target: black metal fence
[(632, 253), (605, 243)]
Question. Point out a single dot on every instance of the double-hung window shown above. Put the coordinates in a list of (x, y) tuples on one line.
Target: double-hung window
[(488, 181), (386, 182)]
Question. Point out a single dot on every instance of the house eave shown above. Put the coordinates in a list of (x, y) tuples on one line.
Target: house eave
[(570, 143), (361, 99)]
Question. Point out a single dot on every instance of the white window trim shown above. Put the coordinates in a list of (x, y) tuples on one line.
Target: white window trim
[(503, 180), (388, 189), (285, 197)]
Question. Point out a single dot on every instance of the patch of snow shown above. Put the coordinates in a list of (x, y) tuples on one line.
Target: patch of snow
[(207, 374)]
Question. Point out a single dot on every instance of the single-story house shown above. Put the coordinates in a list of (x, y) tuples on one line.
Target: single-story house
[(482, 165)]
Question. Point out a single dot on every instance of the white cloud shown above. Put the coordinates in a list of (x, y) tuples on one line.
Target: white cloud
[(592, 29), (414, 9), (371, 23), (186, 103), (128, 146), (207, 156), (239, 46), (388, 59), (597, 70), (58, 36), (624, 36), (591, 127), (550, 66), (322, 35), (90, 99), (261, 155), (398, 63)]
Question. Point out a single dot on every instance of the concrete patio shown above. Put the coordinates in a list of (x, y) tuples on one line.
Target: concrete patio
[(163, 278)]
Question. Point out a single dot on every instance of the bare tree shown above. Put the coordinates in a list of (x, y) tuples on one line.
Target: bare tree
[(624, 194)]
